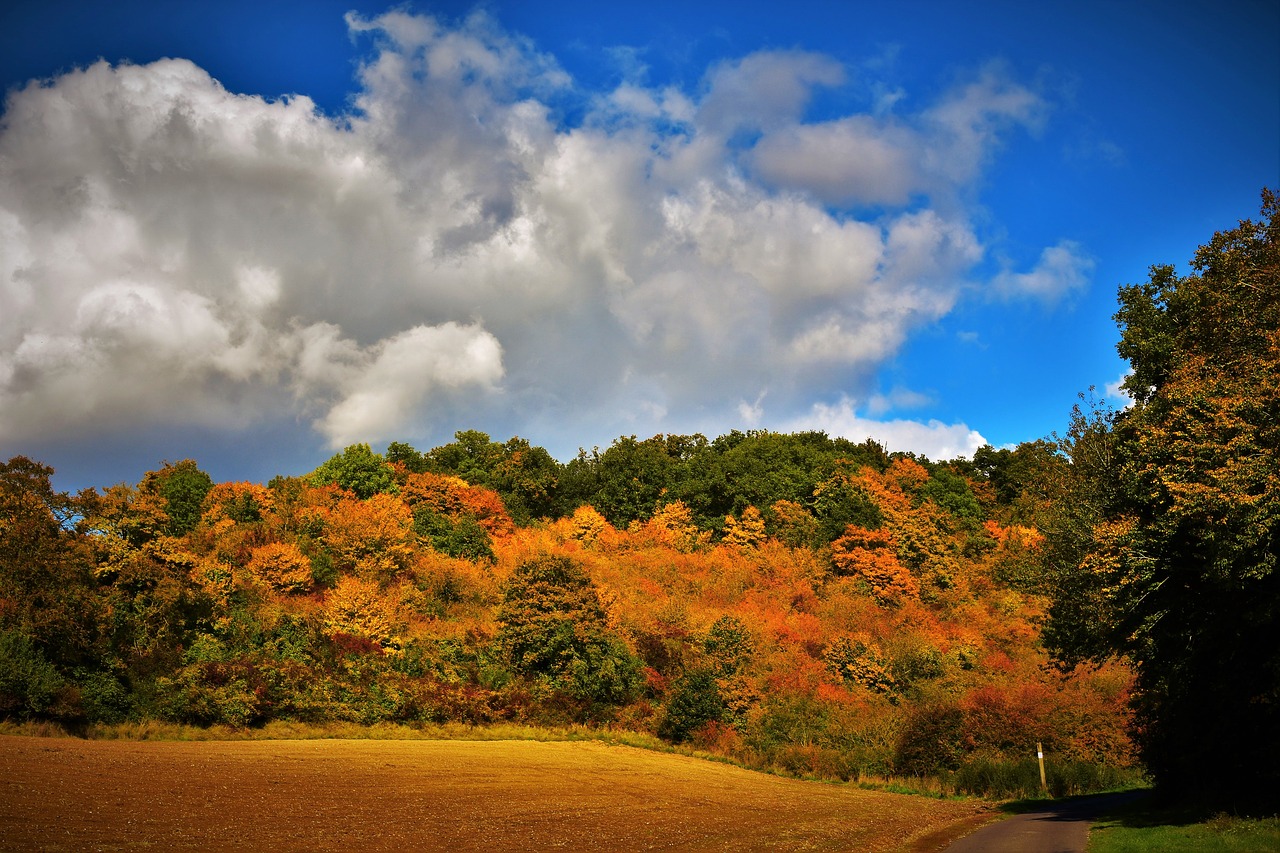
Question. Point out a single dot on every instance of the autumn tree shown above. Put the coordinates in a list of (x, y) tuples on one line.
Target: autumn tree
[(747, 531), (372, 538), (357, 607), (282, 566), (871, 556), (1179, 571)]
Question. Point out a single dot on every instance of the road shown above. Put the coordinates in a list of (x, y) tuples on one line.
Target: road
[(1057, 828)]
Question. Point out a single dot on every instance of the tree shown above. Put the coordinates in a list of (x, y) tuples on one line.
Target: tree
[(695, 701), (871, 556), (282, 566), (357, 469), (373, 538), (183, 486), (552, 625), (747, 532), (47, 589), (1177, 568)]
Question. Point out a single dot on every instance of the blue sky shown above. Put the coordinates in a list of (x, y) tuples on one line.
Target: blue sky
[(252, 233)]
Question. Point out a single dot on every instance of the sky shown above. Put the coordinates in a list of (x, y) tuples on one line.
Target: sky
[(254, 233)]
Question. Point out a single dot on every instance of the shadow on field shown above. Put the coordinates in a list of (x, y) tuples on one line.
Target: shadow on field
[(1084, 807)]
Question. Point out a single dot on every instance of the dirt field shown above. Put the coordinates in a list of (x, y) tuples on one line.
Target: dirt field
[(66, 794)]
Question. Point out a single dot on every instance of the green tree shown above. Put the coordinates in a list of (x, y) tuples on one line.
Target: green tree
[(399, 453), (48, 593), (552, 626), (463, 537), (695, 701), (183, 487), (471, 456), (358, 469)]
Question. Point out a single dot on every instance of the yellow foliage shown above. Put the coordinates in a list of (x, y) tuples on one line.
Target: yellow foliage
[(282, 566), (215, 577), (171, 550), (673, 526), (357, 607), (587, 524), (373, 538), (747, 532)]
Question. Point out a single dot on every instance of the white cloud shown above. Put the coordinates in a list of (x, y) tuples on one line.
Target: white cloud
[(763, 90), (171, 252), (857, 159), (933, 439), (1116, 391), (380, 394), (887, 159), (1061, 270)]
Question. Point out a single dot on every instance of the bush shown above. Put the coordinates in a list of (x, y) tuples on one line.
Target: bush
[(102, 697), (932, 741), (993, 776), (29, 683), (695, 701)]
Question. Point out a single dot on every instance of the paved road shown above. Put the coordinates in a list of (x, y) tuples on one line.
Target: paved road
[(1061, 828)]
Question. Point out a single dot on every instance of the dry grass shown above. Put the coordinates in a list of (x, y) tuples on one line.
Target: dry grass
[(369, 794)]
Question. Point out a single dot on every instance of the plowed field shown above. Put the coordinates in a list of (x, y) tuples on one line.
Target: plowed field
[(67, 794)]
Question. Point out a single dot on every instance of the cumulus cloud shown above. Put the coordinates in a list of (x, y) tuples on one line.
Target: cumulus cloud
[(933, 439), (381, 389), (171, 252), (887, 159)]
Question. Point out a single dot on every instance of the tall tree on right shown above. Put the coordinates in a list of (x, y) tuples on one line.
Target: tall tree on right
[(1180, 574)]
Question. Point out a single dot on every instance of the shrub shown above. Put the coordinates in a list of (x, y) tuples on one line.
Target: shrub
[(695, 701), (931, 741), (29, 683)]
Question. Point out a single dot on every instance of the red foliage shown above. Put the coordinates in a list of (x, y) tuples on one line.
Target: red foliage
[(350, 644)]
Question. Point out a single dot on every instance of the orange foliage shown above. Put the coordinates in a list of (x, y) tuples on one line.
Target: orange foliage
[(282, 566), (908, 474), (456, 498), (871, 556), (1014, 535), (373, 538), (237, 502)]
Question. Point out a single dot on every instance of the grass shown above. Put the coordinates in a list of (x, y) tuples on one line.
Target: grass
[(1144, 826)]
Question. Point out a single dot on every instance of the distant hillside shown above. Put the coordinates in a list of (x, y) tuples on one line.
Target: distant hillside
[(796, 602)]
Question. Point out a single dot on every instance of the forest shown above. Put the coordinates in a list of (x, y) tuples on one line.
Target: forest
[(792, 602)]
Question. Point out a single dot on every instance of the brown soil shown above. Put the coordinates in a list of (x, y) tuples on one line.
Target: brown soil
[(67, 794)]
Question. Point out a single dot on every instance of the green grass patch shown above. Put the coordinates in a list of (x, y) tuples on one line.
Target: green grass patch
[(1144, 827)]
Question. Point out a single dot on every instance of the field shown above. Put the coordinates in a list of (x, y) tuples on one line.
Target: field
[(69, 794)]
